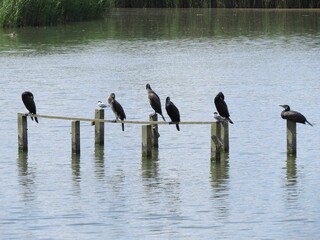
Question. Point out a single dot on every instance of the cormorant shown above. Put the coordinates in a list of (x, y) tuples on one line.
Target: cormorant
[(293, 116), (173, 112), (154, 101), (222, 107), (116, 108), (27, 98), (101, 104)]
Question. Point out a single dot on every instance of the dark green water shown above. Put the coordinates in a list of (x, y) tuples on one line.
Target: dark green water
[(258, 58)]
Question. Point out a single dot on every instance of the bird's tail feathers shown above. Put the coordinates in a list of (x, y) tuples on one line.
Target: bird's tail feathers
[(163, 118), (177, 126), (230, 120), (35, 118), (122, 126)]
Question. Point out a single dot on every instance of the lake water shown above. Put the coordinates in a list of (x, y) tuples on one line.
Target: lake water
[(258, 58)]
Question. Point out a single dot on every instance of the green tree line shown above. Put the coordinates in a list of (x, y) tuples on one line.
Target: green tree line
[(19, 13)]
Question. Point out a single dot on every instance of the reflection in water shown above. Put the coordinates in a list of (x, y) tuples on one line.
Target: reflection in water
[(162, 193), (26, 176), (150, 165), (99, 161), (291, 179), (167, 24), (291, 170), (219, 183), (75, 165), (219, 171)]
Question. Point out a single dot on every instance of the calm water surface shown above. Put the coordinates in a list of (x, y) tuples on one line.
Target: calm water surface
[(259, 59)]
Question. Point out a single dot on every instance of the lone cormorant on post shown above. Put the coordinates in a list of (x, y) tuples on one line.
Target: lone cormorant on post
[(293, 116), (116, 108), (27, 98), (154, 101), (222, 107), (173, 112)]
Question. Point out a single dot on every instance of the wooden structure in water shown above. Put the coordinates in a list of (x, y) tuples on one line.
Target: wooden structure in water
[(219, 139), (291, 137), (150, 134)]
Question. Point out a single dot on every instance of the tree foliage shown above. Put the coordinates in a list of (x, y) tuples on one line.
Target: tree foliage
[(49, 12)]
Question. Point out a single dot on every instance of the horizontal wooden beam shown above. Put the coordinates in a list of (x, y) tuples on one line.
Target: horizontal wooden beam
[(112, 121)]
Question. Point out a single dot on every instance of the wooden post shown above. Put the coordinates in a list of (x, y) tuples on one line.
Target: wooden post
[(99, 127), (146, 140), (291, 137), (216, 143), (155, 133), (22, 132), (219, 139), (225, 136), (75, 139)]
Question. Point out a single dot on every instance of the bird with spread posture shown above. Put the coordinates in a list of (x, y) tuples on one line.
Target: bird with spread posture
[(28, 100), (101, 104), (293, 116), (154, 101), (173, 112), (222, 107), (116, 108)]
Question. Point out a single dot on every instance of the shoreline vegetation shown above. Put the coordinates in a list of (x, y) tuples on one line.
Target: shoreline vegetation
[(22, 13)]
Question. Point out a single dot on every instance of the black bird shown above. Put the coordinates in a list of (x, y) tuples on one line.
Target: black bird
[(293, 116), (116, 108), (154, 101), (222, 107), (173, 112), (27, 98)]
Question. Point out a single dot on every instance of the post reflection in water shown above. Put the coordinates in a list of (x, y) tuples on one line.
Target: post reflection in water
[(26, 176), (75, 165), (291, 187), (99, 161), (219, 183), (291, 170), (150, 165)]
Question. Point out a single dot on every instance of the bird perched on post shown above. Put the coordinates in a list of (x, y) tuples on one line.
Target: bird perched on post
[(293, 116), (222, 107), (28, 100), (117, 109), (154, 101), (219, 118), (101, 104), (173, 112)]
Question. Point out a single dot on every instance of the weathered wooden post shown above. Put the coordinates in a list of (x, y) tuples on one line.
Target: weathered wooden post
[(99, 127), (219, 139), (22, 132), (75, 137), (216, 143), (147, 140), (225, 136), (291, 137), (155, 132)]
